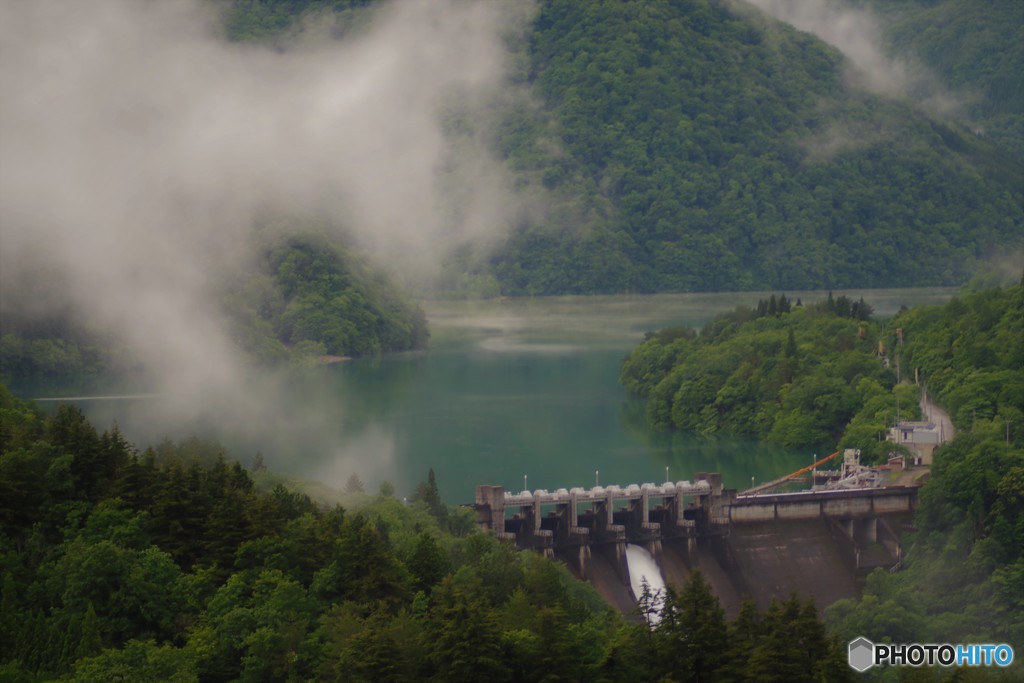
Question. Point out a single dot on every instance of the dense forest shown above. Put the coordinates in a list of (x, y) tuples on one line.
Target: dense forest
[(805, 376), (964, 573), (312, 296), (825, 373), (975, 49), (306, 296), (173, 564), (720, 151), (692, 145), (701, 146), (811, 376)]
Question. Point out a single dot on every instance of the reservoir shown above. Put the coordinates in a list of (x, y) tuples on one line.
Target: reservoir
[(513, 392)]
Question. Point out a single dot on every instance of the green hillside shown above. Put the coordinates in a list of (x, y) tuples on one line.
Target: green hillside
[(311, 296), (803, 376), (308, 296), (976, 49), (810, 376), (699, 145), (730, 155), (964, 572), (178, 564)]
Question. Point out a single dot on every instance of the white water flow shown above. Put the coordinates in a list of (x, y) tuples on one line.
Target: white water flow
[(641, 565)]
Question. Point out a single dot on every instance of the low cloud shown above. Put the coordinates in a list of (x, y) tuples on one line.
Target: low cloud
[(857, 33), (138, 146)]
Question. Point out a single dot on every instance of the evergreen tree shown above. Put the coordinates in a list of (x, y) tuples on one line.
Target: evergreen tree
[(428, 494), (354, 484), (427, 563), (700, 630), (90, 643), (744, 635), (465, 638)]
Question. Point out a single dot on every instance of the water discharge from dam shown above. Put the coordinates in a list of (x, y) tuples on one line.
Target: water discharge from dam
[(642, 566)]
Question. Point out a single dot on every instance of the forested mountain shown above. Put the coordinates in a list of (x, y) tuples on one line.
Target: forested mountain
[(976, 49), (815, 376), (685, 145), (173, 565), (728, 154), (312, 296), (964, 578), (306, 296), (801, 376), (699, 145)]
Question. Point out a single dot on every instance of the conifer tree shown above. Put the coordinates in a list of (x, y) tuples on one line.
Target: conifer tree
[(90, 642)]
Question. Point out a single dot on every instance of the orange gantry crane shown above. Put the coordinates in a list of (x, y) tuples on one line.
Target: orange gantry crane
[(782, 480)]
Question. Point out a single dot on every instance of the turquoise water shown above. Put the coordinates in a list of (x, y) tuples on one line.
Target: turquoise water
[(509, 388)]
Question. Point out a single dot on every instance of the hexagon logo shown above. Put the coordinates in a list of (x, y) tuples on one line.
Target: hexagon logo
[(862, 654)]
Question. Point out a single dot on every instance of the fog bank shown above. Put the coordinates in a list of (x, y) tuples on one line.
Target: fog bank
[(137, 147), (857, 33)]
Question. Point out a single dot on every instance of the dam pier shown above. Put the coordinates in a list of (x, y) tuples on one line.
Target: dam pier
[(815, 543)]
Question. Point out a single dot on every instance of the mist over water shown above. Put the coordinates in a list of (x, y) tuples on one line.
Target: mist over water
[(499, 395), (138, 148)]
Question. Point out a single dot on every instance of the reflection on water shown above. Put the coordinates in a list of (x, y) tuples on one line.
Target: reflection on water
[(509, 388)]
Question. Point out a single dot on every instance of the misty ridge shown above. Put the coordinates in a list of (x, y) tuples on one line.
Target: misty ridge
[(856, 32), (139, 148), (493, 148)]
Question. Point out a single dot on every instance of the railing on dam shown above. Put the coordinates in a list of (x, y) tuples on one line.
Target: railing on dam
[(837, 504), (579, 523), (601, 493), (545, 519), (574, 520), (602, 514)]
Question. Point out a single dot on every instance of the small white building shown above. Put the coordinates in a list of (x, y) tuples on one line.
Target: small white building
[(920, 438)]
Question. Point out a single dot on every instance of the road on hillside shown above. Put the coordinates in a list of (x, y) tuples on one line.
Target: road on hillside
[(937, 416)]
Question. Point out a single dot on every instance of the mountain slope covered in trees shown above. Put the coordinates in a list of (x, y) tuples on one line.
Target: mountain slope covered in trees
[(699, 145), (172, 565), (800, 376), (727, 153), (975, 49), (311, 295), (305, 295), (964, 578), (812, 376)]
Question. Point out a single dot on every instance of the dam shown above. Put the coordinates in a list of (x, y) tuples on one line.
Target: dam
[(817, 543)]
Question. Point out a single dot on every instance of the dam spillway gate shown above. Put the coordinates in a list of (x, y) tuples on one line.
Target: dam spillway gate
[(611, 516), (766, 545)]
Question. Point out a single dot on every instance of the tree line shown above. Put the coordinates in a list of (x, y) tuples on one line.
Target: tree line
[(804, 376), (811, 378), (174, 564), (964, 571), (305, 295)]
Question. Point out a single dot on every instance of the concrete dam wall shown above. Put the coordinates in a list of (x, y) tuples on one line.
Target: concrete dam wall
[(764, 560), (818, 545)]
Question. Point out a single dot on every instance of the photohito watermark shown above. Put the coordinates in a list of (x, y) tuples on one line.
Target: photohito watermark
[(863, 654)]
